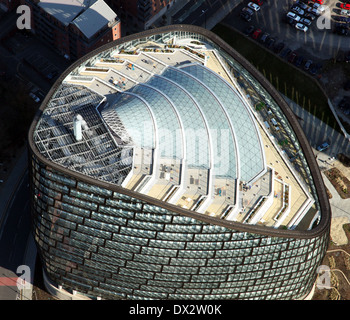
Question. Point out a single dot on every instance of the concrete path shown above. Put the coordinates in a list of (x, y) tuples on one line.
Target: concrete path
[(317, 132)]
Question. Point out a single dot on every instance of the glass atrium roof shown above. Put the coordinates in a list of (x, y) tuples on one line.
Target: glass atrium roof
[(173, 123)]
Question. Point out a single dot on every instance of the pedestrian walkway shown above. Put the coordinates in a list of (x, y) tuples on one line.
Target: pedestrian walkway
[(317, 131), (10, 184), (225, 9), (7, 191)]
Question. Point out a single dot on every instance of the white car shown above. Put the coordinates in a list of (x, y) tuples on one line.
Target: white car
[(345, 12), (293, 16), (253, 6), (320, 8), (301, 27)]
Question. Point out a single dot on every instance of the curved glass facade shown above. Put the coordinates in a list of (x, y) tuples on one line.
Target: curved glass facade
[(110, 245), (110, 241)]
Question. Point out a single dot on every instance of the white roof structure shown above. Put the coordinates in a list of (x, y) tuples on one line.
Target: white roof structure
[(89, 16), (65, 10), (94, 18)]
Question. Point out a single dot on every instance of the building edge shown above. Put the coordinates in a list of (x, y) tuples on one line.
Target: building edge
[(321, 228)]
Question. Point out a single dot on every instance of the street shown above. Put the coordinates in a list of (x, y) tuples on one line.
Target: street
[(14, 233)]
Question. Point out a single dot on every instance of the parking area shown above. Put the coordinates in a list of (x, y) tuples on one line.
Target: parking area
[(271, 27)]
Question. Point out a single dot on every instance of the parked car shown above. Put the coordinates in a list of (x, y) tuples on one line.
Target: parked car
[(301, 27), (293, 16), (246, 16), (52, 75), (344, 103), (318, 1), (264, 37), (307, 64), (299, 61), (345, 12), (34, 97), (248, 31), (305, 21), (345, 6), (290, 21), (314, 11), (253, 6), (293, 55), (343, 19), (341, 29), (320, 8), (270, 42), (301, 4), (256, 34), (278, 48), (315, 68), (310, 16), (298, 10), (285, 52), (323, 146), (247, 10), (258, 2)]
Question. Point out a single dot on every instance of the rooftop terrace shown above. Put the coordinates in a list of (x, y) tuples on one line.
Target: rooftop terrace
[(171, 121)]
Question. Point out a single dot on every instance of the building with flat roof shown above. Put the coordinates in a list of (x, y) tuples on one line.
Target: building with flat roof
[(74, 27), (167, 161)]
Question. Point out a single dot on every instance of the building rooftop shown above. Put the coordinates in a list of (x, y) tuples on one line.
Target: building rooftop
[(94, 18), (169, 120), (89, 16), (65, 10)]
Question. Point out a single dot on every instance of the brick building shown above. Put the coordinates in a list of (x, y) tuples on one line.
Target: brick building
[(74, 27)]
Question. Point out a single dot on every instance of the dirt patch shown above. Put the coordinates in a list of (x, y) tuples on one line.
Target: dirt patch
[(339, 182), (337, 259)]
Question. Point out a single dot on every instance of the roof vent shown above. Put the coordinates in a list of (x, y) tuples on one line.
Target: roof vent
[(77, 124)]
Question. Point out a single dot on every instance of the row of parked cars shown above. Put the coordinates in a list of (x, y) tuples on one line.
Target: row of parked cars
[(303, 12), (343, 19), (279, 48)]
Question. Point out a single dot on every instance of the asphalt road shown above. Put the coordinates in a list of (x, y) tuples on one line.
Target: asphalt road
[(14, 233), (203, 10)]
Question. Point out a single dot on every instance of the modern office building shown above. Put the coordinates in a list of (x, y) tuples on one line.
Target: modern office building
[(74, 27), (164, 166)]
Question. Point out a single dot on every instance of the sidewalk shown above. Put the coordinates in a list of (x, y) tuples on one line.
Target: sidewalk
[(317, 132), (11, 182), (222, 13), (7, 190), (211, 21)]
